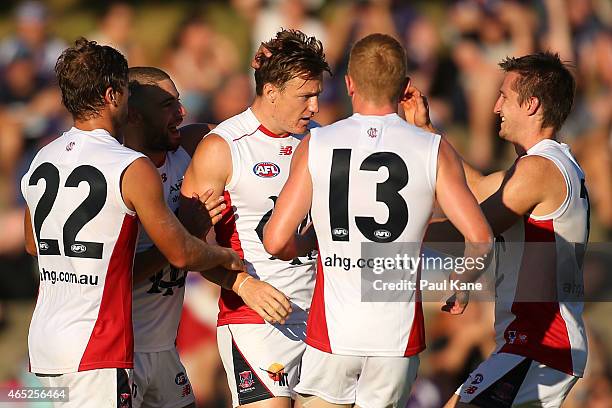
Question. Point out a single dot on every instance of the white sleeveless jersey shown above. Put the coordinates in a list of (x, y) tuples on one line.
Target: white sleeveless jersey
[(86, 238), (540, 265), (374, 181), (158, 300), (260, 167)]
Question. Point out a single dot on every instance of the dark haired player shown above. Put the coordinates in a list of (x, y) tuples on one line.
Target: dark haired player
[(539, 211), (84, 192), (247, 159)]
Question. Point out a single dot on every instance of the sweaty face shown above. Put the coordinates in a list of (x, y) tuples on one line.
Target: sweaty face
[(162, 113), (508, 108), (297, 103)]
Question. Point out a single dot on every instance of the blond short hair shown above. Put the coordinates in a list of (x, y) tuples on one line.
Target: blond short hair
[(377, 66)]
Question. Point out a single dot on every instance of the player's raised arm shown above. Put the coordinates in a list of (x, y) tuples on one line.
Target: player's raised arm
[(142, 191), (291, 207)]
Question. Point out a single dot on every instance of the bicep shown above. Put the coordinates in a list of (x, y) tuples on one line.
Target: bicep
[(517, 195), (209, 168), (142, 186), (454, 196)]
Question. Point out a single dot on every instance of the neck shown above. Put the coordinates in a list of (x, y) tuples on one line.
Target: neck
[(98, 122), (264, 112), (367, 107), (134, 139), (531, 139)]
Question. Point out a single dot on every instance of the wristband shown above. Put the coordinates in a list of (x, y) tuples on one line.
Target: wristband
[(242, 284)]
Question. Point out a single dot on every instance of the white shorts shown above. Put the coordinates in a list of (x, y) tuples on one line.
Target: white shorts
[(101, 388), (369, 382), (160, 381), (261, 360), (506, 380)]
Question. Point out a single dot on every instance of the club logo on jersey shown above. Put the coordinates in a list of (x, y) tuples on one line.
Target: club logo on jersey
[(286, 151), (477, 379), (266, 169), (277, 373), (515, 337), (69, 146), (246, 379), (372, 132), (340, 232), (78, 248), (382, 234), (43, 246), (180, 379)]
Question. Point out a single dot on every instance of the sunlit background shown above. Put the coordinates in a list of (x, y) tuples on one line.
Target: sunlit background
[(453, 50)]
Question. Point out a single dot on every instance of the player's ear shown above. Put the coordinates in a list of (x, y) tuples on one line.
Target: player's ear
[(350, 85), (270, 92), (532, 104), (110, 97)]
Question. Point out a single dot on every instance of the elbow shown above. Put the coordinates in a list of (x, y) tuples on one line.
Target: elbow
[(272, 246), (179, 260)]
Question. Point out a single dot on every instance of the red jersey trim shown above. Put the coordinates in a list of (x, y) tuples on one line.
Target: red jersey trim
[(416, 339), (539, 331), (232, 309), (317, 334), (111, 344), (268, 132)]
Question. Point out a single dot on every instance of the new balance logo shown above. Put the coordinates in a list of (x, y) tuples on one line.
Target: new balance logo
[(286, 150)]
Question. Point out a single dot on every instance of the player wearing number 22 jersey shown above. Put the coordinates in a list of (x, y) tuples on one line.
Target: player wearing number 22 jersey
[(83, 315)]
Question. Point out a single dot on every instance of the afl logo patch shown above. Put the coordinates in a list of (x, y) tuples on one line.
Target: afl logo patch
[(266, 169), (340, 232), (382, 234), (78, 248)]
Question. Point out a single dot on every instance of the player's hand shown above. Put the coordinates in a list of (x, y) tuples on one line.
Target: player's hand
[(200, 212), (268, 302), (416, 109), (262, 52), (215, 206), (457, 303)]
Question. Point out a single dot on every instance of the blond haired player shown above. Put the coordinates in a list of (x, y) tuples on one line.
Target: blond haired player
[(371, 178)]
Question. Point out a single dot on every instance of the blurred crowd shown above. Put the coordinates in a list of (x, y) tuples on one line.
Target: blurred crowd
[(453, 50)]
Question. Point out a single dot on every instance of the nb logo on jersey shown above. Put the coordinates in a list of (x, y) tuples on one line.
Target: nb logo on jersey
[(382, 233), (286, 150), (340, 232), (266, 169), (78, 248), (43, 246), (69, 146), (372, 132)]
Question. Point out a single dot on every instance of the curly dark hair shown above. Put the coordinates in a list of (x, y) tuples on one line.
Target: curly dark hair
[(294, 55), (84, 72), (544, 76)]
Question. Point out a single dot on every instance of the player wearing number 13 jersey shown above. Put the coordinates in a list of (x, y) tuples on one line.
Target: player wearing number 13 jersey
[(247, 157), (371, 178)]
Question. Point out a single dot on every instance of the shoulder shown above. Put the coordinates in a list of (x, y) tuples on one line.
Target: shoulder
[(535, 168), (237, 127)]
